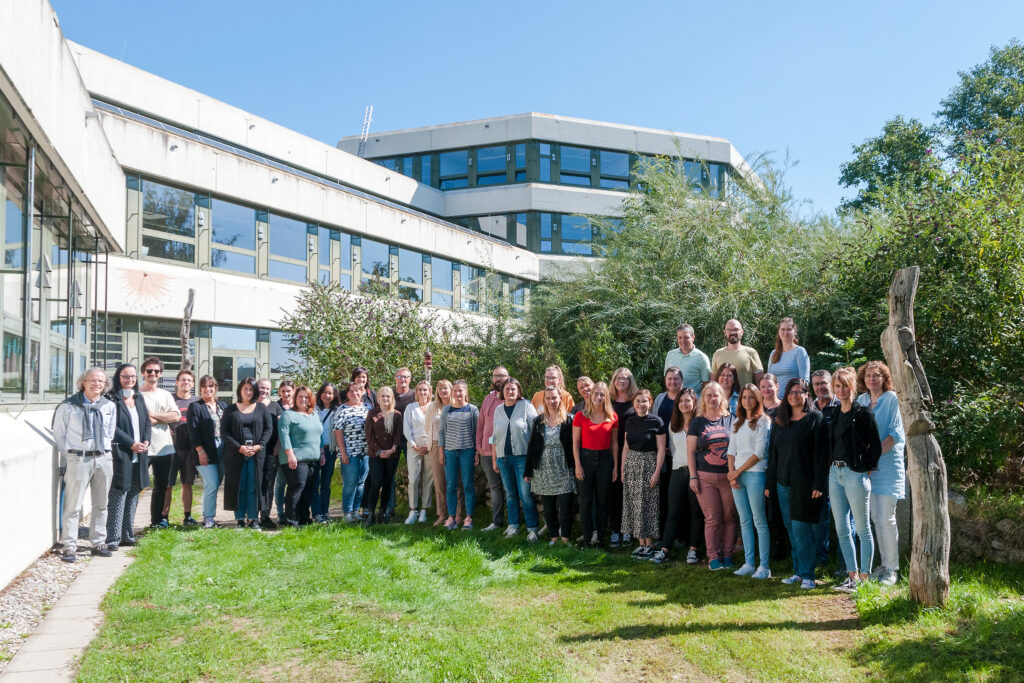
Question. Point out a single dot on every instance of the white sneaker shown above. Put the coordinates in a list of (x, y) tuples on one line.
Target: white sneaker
[(511, 530), (889, 578), (691, 557), (413, 516), (491, 527), (531, 536), (848, 586), (423, 516), (745, 570), (793, 579), (593, 538), (807, 584), (762, 573)]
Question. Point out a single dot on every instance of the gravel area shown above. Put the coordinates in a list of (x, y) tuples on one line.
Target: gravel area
[(26, 599)]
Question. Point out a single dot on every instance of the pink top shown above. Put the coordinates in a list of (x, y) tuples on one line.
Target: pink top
[(485, 425)]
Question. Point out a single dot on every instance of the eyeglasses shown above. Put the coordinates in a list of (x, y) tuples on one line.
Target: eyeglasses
[(873, 376)]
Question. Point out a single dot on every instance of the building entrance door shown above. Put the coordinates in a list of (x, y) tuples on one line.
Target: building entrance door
[(229, 370)]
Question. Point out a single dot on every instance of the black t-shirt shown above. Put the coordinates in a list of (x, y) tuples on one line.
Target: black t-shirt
[(641, 432), (841, 423), (622, 409), (179, 431), (712, 443)]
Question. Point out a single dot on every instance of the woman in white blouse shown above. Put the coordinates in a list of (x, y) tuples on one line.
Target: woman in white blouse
[(747, 445), (417, 457)]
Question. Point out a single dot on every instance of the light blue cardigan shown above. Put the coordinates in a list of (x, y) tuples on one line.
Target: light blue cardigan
[(523, 414), (890, 477)]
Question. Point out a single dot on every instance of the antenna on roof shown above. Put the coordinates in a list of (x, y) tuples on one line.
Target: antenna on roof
[(367, 119)]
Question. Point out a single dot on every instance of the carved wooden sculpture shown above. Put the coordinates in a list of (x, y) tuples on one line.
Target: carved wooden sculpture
[(929, 555), (186, 325)]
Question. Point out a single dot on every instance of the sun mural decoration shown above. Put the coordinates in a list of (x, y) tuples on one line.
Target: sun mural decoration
[(145, 291)]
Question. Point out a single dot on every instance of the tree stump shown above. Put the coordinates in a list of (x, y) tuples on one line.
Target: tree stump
[(929, 555)]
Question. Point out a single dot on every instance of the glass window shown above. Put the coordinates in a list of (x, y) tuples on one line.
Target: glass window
[(287, 238), (454, 183), (575, 159), (576, 235), (233, 225), (410, 266), (545, 233), (387, 163), (521, 229), (406, 166), (12, 236), (282, 358), (168, 209), (376, 260), (517, 290), (233, 338), (232, 260), (614, 184), (490, 165), (454, 163), (545, 162), (470, 287), (323, 247), (282, 270), (425, 168), (441, 274), (346, 251), (13, 361), (614, 164), (154, 247)]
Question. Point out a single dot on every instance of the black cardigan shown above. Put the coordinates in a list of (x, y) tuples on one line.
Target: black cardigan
[(800, 451), (863, 445), (535, 447), (200, 429), (231, 431), (121, 447)]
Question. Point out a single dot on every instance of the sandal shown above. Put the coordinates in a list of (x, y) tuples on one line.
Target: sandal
[(467, 524)]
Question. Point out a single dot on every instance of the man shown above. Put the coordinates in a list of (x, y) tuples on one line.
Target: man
[(746, 360), (273, 474), (182, 461), (690, 360), (403, 397), (484, 432), (163, 412), (553, 379), (83, 429), (827, 404)]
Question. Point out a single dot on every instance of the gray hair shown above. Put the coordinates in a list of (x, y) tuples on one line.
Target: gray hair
[(686, 327), (822, 373), (80, 382)]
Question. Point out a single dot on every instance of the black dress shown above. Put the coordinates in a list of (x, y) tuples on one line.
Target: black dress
[(236, 428)]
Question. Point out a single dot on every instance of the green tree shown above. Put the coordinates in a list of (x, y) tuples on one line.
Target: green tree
[(904, 146)]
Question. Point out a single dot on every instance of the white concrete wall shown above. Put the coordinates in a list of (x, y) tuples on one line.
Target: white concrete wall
[(119, 82), (498, 199), (147, 149), (39, 77), (28, 490)]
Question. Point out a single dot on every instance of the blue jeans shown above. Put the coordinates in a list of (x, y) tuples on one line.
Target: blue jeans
[(801, 537), (459, 462), (353, 477), (849, 492), (750, 506), (321, 501), (246, 491), (211, 482), (517, 491), (823, 533)]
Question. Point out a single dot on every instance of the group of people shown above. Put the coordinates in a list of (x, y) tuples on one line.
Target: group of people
[(727, 446)]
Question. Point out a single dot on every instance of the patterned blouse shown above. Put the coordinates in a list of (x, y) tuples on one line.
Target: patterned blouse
[(351, 420)]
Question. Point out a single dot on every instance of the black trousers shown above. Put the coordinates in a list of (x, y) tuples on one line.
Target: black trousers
[(382, 475), (265, 496), (161, 476), (684, 513), (597, 479), (558, 514), (663, 485), (298, 491)]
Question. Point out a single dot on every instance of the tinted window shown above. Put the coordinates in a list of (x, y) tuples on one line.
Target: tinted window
[(233, 224)]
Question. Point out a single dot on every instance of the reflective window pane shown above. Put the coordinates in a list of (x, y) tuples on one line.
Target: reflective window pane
[(493, 179), (490, 159), (441, 300), (233, 224), (346, 251), (614, 184), (154, 247), (12, 236), (282, 358), (425, 168), (441, 274), (386, 163), (575, 229), (168, 209), (287, 238), (281, 270), (520, 157), (453, 163), (454, 184), (235, 338), (570, 179), (545, 162), (575, 159), (323, 247), (614, 164), (376, 260), (410, 266), (232, 260), (406, 166)]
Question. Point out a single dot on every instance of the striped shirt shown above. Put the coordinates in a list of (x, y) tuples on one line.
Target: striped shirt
[(458, 429)]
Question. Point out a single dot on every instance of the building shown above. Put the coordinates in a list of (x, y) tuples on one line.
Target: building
[(122, 191)]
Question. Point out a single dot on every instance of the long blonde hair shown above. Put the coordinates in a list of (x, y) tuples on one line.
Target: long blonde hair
[(606, 406), (389, 416), (438, 404), (631, 390)]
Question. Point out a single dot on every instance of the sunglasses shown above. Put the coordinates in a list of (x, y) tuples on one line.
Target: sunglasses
[(152, 371)]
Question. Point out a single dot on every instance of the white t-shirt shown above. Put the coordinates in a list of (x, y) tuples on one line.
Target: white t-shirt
[(678, 440), (160, 401), (747, 442)]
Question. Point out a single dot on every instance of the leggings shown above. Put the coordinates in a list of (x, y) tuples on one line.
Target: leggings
[(685, 520), (558, 514), (298, 492), (382, 473), (597, 478), (161, 476)]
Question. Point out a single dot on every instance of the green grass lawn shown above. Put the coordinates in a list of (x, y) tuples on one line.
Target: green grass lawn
[(396, 603)]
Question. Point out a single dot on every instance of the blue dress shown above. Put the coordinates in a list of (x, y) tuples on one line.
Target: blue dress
[(891, 476)]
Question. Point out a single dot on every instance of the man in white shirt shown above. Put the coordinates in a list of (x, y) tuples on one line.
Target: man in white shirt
[(163, 412), (690, 360)]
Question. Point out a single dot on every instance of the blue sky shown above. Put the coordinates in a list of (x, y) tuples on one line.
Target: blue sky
[(800, 79)]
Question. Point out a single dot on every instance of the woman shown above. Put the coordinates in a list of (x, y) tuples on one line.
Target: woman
[(747, 444), (383, 437), (798, 475), (707, 443), (769, 388), (549, 465), (888, 481), (432, 420), (595, 450), (643, 455), (457, 440), (684, 508), (553, 377), (286, 397), (131, 466), (417, 457), (204, 432), (328, 400), (664, 406), (623, 389), (246, 427), (300, 432), (513, 418), (856, 449), (583, 385), (350, 437), (361, 377), (727, 376), (788, 360)]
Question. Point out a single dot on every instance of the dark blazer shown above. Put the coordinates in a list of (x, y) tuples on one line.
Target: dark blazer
[(231, 431), (200, 430), (860, 438), (535, 447), (121, 447), (800, 453)]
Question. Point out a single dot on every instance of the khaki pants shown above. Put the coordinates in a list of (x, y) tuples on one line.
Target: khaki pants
[(441, 486), (421, 478), (85, 472)]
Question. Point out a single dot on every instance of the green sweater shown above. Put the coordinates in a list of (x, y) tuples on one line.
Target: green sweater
[(301, 433)]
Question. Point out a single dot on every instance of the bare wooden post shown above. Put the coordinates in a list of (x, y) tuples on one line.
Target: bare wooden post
[(929, 554), (186, 326)]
